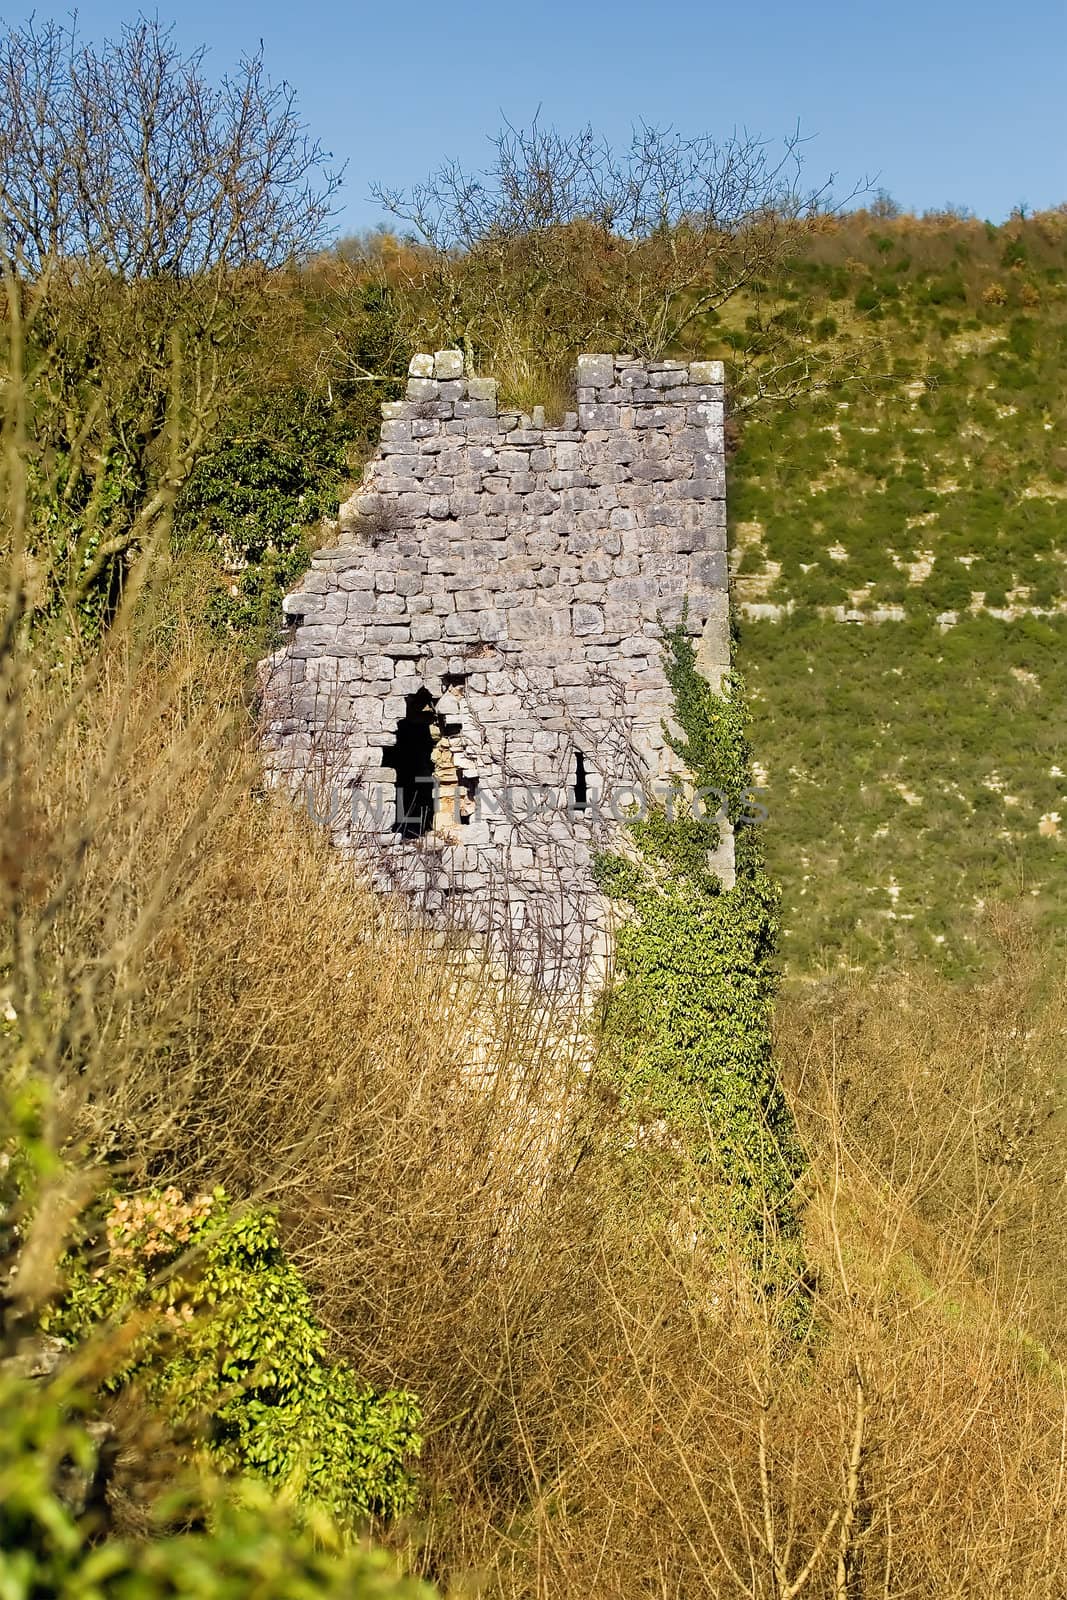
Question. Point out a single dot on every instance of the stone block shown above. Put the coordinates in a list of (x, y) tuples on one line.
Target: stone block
[(660, 471), (461, 625), (596, 372), (711, 486), (587, 619), (542, 502), (396, 432), (527, 623), (472, 410), (599, 416), (448, 364), (421, 366), (572, 500), (707, 372), (596, 568), (659, 416), (486, 389), (601, 476), (423, 389), (706, 414), (303, 604), (710, 569)]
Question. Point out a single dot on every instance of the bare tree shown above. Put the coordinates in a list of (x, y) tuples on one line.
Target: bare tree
[(585, 246), (142, 207), (128, 157)]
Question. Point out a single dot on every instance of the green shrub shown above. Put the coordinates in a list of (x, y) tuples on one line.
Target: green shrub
[(252, 499), (1022, 337), (947, 290), (232, 1349), (53, 1548)]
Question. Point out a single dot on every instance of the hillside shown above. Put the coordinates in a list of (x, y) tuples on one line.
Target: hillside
[(898, 552), (309, 1226)]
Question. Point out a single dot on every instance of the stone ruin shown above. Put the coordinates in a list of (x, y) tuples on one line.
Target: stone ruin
[(471, 692)]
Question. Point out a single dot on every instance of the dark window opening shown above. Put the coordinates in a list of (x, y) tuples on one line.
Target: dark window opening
[(581, 783), (468, 789), (412, 759)]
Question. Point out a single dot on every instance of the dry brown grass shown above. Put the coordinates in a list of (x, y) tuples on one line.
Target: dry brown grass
[(609, 1411)]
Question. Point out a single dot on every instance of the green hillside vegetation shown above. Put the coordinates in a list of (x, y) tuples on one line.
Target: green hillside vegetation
[(915, 767)]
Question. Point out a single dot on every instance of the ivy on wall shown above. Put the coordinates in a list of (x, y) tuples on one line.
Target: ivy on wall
[(686, 1027)]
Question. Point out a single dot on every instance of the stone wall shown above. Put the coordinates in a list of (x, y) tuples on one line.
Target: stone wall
[(482, 643)]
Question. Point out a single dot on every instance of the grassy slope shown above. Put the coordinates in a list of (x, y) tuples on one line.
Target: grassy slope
[(910, 763)]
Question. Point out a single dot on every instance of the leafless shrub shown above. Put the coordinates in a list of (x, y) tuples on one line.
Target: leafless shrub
[(599, 248), (126, 158)]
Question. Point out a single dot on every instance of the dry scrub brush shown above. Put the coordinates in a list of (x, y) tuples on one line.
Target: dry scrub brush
[(915, 1444), (609, 1411), (952, 1098), (214, 999)]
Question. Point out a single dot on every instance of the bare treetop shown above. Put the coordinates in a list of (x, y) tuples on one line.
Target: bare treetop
[(541, 178), (129, 157), (594, 247)]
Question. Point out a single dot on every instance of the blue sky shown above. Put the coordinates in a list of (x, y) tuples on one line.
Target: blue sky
[(937, 102)]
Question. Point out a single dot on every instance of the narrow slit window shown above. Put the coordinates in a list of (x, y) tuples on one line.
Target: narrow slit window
[(581, 783)]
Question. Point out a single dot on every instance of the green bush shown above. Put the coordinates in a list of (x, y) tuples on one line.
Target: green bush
[(232, 1351), (1022, 337), (947, 290), (251, 500), (52, 1548)]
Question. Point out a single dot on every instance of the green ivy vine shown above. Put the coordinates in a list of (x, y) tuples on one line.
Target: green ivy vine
[(686, 1025)]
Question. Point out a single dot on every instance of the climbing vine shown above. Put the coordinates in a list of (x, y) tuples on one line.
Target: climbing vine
[(686, 1027)]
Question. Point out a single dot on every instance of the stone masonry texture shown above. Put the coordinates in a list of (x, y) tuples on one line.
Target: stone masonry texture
[(471, 693)]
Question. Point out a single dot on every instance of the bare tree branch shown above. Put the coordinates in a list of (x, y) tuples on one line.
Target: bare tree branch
[(591, 246)]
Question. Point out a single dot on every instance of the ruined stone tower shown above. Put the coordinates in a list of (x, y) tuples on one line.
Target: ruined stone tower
[(472, 690)]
